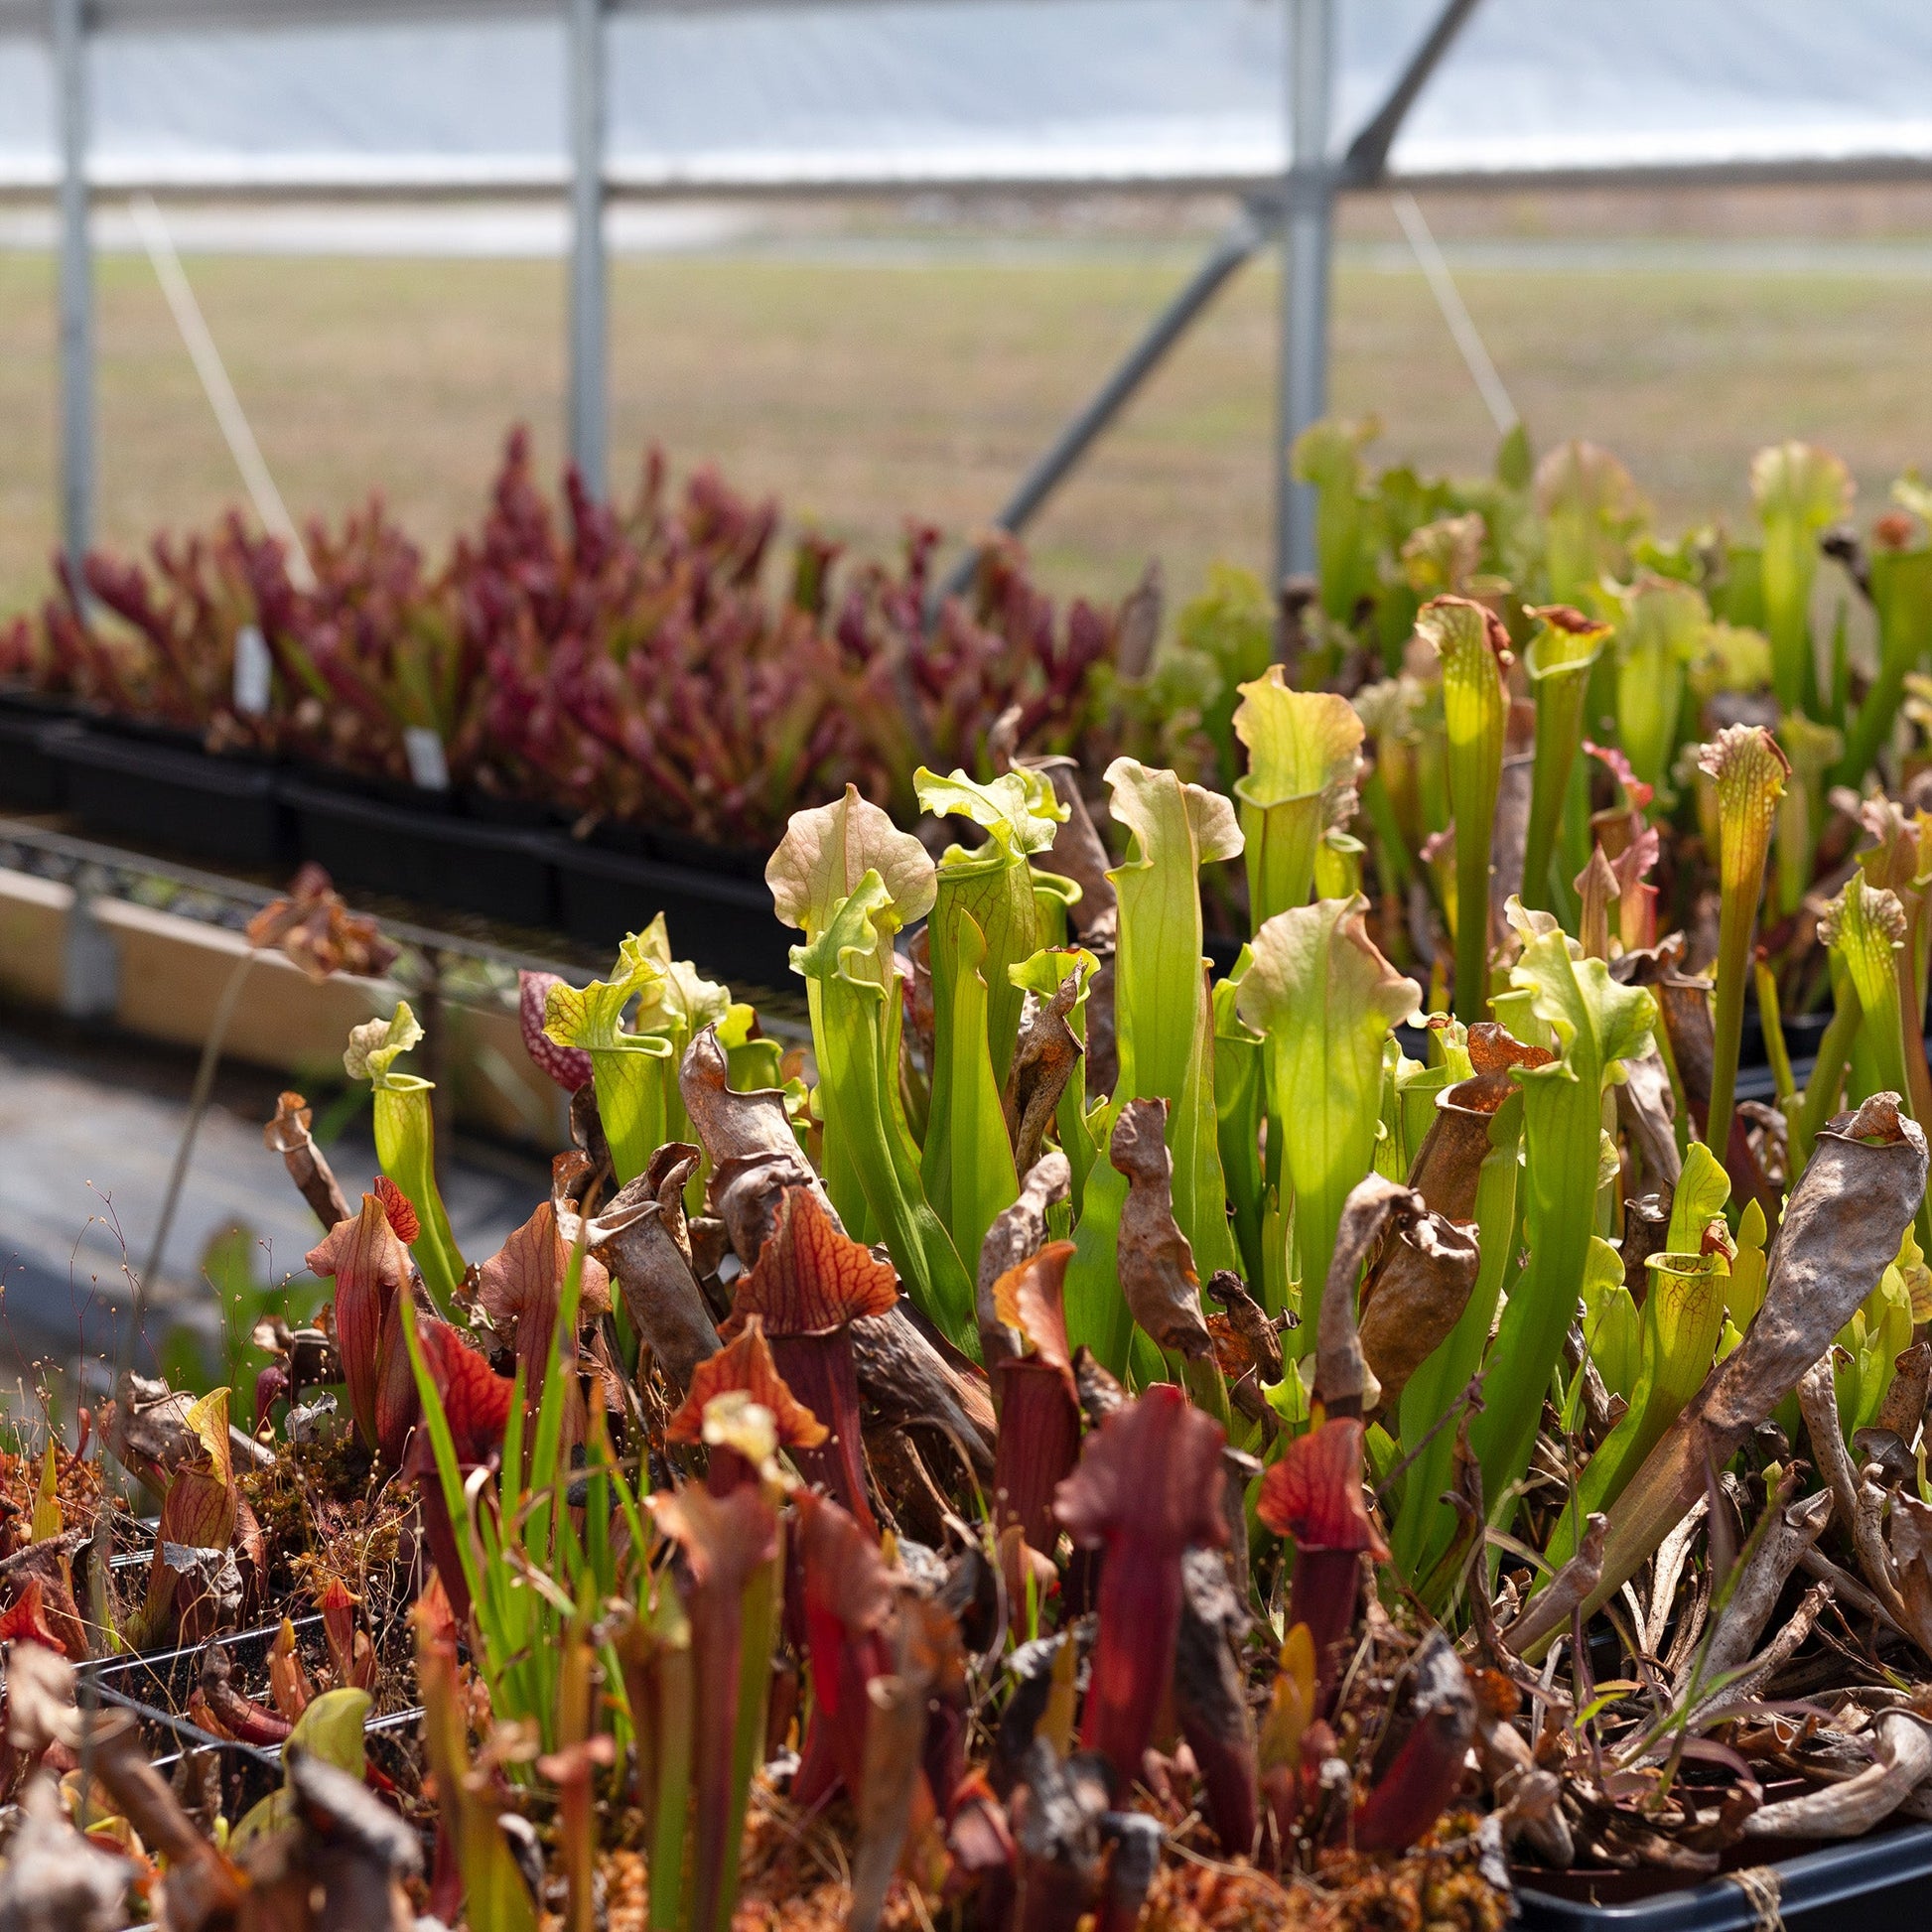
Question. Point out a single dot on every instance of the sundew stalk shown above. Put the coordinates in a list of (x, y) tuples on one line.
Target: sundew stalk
[(1750, 771), (1474, 652), (1558, 663)]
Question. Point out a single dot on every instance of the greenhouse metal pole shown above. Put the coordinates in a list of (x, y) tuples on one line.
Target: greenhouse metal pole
[(76, 286), (589, 437), (1307, 237)]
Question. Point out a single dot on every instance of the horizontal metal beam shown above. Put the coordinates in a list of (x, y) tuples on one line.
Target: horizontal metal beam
[(637, 181), (201, 16), (1794, 170)]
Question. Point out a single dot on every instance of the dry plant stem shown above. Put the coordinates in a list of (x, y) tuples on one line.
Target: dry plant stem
[(1690, 1628), (894, 1725), (1666, 1571), (1016, 1234), (1422, 1284), (1794, 1529), (1590, 1383), (1564, 1593), (1758, 1673), (1343, 1380), (201, 1882), (1846, 1589), (1646, 1106), (1904, 1762), (1520, 1787), (1902, 1409), (1858, 1504), (1841, 1230), (288, 1135), (668, 1310)]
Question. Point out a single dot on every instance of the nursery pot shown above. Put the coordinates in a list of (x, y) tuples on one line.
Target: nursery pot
[(173, 795), (155, 1688), (717, 916), (1881, 1884), (33, 770), (421, 850)]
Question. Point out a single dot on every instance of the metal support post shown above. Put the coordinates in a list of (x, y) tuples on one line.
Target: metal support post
[(76, 286), (1307, 237), (588, 429)]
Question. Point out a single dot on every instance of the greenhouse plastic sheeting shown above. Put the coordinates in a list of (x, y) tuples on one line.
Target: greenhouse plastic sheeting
[(990, 92)]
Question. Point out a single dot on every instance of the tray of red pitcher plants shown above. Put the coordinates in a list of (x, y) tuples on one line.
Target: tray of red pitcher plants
[(1093, 1442)]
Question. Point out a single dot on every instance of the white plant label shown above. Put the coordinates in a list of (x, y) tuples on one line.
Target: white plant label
[(253, 668), (429, 770)]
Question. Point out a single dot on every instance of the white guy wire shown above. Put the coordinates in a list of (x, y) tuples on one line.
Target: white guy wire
[(221, 397), (1448, 298)]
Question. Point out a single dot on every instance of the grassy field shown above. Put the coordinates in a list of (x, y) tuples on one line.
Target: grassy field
[(865, 382)]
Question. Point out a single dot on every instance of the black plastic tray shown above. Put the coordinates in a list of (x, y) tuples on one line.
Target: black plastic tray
[(32, 769), (156, 1684), (1882, 1884), (214, 807), (248, 1773), (423, 853), (502, 859), (251, 1773), (721, 921)]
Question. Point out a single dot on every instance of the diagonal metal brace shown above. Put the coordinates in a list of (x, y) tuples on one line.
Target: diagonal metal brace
[(1247, 232), (1363, 166)]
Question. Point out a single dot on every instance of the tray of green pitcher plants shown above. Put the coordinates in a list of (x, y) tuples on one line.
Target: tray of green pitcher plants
[(1091, 1442)]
